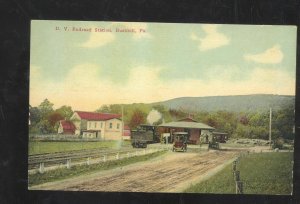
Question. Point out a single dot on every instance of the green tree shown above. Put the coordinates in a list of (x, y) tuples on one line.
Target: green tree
[(283, 121), (115, 108), (212, 121), (46, 107), (242, 131), (244, 120), (44, 127), (65, 111), (259, 119), (35, 115), (177, 114), (54, 118), (104, 109)]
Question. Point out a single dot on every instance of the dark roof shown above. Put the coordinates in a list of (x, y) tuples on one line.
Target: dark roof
[(97, 116), (190, 125), (67, 125)]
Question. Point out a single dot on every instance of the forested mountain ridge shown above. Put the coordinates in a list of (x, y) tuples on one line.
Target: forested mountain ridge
[(238, 103)]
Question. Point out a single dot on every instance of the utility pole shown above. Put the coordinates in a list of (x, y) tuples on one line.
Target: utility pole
[(122, 123), (270, 129)]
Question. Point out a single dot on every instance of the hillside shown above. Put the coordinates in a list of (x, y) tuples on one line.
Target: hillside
[(230, 103)]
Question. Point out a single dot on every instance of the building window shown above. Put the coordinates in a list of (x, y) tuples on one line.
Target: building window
[(95, 124), (110, 125), (118, 126)]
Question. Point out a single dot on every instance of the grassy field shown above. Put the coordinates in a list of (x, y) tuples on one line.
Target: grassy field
[(74, 171), (39, 147), (261, 173)]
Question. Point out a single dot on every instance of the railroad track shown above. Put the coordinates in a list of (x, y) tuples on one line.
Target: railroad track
[(74, 155), (50, 159)]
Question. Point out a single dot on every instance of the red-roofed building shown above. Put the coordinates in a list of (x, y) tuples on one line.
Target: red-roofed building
[(66, 127), (126, 133), (97, 125), (96, 116)]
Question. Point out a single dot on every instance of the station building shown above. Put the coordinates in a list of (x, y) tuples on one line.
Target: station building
[(192, 127)]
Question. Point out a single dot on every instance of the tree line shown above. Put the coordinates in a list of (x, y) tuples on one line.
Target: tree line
[(252, 124)]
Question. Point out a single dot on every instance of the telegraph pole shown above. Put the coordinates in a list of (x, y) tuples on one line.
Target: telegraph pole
[(270, 129), (122, 123)]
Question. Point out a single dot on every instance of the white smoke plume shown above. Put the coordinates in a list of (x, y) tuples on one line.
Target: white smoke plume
[(153, 116)]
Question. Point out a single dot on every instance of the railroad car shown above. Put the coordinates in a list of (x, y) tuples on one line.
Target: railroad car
[(143, 135)]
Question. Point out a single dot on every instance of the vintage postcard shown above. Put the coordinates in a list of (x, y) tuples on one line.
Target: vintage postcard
[(161, 107)]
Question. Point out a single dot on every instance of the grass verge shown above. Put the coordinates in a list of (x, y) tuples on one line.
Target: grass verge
[(40, 147), (261, 173), (74, 171)]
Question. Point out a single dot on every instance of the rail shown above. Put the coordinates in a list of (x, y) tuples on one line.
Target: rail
[(44, 162)]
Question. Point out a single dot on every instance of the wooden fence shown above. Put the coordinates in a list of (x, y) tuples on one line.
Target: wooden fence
[(45, 162), (60, 137)]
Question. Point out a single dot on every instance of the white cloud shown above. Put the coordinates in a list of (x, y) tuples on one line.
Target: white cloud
[(98, 39), (228, 72), (213, 38), (272, 55), (273, 81)]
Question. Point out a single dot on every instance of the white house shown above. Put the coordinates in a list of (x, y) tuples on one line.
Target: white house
[(98, 125)]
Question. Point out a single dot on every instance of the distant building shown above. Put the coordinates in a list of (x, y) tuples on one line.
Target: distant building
[(188, 125), (97, 125), (126, 133), (66, 127)]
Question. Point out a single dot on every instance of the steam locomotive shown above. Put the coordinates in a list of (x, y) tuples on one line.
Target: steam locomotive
[(144, 134)]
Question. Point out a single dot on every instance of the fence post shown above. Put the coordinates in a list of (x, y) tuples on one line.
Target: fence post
[(41, 169), (239, 187), (104, 158), (117, 155), (237, 175), (292, 185), (68, 163), (88, 161), (234, 165)]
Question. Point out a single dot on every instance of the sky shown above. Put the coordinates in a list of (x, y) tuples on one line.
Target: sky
[(72, 64)]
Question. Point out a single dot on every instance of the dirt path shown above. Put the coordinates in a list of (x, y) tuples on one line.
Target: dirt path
[(171, 173)]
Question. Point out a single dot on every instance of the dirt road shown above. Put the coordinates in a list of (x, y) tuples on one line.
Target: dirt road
[(173, 172)]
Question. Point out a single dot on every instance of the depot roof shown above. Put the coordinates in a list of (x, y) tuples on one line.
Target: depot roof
[(189, 125)]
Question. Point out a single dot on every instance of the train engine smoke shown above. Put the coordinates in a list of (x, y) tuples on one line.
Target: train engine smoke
[(153, 116)]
